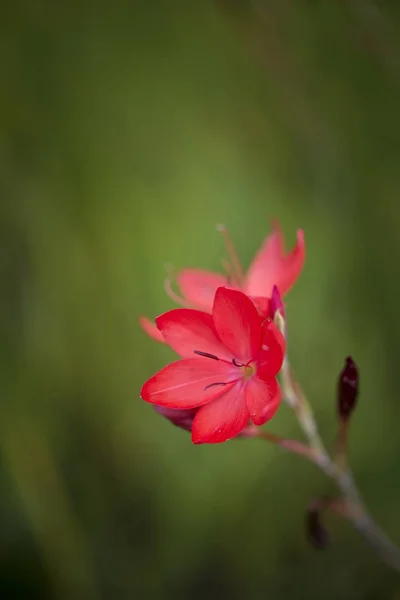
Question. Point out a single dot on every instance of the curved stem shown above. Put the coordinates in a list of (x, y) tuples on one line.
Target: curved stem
[(291, 445), (338, 471), (236, 272)]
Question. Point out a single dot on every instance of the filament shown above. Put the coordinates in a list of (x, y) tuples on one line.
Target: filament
[(237, 268)]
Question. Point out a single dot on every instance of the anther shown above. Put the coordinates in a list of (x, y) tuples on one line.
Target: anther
[(236, 363), (206, 354)]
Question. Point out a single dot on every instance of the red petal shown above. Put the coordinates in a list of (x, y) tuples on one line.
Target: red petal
[(262, 399), (181, 384), (222, 419), (151, 329), (237, 323), (198, 287), (273, 347), (186, 330), (272, 267), (263, 306)]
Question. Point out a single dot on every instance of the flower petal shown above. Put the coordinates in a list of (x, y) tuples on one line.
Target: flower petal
[(222, 419), (237, 323), (262, 399), (198, 287), (269, 360), (263, 306), (182, 383), (151, 329), (182, 418), (272, 267), (187, 330)]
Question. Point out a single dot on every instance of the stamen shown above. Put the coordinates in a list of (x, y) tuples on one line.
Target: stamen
[(210, 385), (170, 270), (231, 281), (174, 296), (206, 355), (236, 363), (237, 268)]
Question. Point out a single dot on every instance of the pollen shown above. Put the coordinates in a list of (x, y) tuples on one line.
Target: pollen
[(248, 370)]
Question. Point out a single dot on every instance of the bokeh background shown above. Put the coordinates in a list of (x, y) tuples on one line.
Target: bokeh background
[(128, 131)]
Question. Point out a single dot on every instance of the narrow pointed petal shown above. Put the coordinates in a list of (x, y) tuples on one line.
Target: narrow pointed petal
[(151, 329), (198, 287), (182, 384), (261, 275), (272, 267), (293, 264), (262, 399), (222, 419), (269, 360), (238, 323), (187, 330)]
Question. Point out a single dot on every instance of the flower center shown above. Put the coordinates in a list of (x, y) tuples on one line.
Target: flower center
[(248, 370)]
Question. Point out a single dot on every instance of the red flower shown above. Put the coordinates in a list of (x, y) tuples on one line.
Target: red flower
[(228, 370), (270, 267)]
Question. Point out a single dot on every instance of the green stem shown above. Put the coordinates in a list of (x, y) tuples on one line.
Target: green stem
[(338, 471)]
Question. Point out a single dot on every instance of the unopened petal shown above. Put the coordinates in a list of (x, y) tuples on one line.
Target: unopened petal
[(238, 323), (221, 419), (271, 266), (182, 418), (151, 329), (198, 287), (187, 330), (276, 303), (187, 383), (262, 399)]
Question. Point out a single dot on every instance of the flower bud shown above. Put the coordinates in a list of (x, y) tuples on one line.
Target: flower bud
[(347, 389), (316, 533), (276, 303), (181, 418)]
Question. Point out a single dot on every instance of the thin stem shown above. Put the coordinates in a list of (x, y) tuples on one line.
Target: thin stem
[(338, 471), (291, 445), (302, 408)]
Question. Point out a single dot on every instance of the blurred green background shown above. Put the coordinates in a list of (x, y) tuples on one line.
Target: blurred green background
[(128, 131)]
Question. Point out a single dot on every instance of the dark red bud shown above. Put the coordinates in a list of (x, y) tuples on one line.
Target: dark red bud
[(182, 418), (316, 533), (347, 389)]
